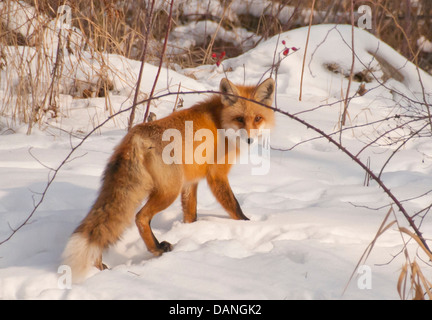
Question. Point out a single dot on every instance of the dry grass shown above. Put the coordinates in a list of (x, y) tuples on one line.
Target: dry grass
[(119, 27), (122, 27), (412, 282)]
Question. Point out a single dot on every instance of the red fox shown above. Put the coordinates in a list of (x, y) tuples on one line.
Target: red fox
[(137, 170)]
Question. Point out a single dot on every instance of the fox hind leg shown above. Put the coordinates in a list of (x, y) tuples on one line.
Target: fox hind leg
[(156, 202), (99, 264)]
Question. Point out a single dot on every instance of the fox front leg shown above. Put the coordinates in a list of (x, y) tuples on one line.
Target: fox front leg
[(221, 189), (189, 202)]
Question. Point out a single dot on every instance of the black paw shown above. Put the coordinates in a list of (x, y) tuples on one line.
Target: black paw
[(165, 246)]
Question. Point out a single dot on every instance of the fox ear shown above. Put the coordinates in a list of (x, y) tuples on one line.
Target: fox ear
[(227, 87), (265, 92)]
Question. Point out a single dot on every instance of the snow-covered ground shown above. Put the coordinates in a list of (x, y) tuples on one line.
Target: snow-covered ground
[(311, 217)]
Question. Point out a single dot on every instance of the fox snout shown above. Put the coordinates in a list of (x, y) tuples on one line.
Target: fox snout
[(249, 138)]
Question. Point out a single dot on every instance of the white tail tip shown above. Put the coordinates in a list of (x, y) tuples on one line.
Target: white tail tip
[(80, 256)]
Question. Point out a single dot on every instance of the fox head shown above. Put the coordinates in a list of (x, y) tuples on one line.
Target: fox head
[(238, 113)]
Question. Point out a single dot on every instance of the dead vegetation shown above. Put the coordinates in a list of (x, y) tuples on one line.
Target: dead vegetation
[(123, 27)]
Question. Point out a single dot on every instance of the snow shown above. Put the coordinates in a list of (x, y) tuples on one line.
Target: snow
[(311, 217), (198, 32), (194, 33), (424, 44), (22, 20)]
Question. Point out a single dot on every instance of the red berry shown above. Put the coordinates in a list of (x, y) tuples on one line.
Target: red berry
[(286, 51), (283, 42)]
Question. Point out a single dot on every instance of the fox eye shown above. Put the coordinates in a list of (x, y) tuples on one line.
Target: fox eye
[(239, 119), (258, 118)]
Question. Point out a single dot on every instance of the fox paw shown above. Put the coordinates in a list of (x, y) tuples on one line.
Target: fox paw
[(163, 247), (101, 266)]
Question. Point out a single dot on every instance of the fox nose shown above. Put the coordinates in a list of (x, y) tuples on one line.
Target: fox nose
[(250, 140)]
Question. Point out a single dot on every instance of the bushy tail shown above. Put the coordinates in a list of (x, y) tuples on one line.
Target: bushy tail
[(102, 227), (126, 183), (80, 255)]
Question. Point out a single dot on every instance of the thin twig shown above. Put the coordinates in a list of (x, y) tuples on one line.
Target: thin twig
[(344, 114), (306, 47), (415, 59), (161, 60), (149, 20)]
